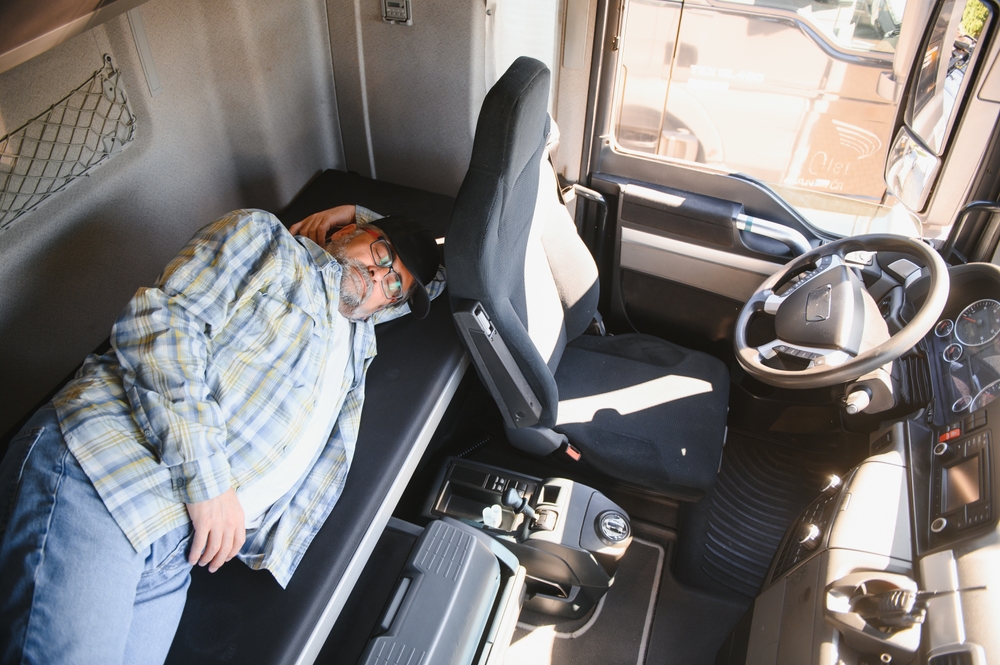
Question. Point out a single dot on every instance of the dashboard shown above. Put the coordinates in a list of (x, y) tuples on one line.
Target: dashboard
[(964, 361), (953, 469), (917, 515)]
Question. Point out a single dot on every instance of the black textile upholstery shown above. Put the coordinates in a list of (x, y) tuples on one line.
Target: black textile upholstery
[(332, 188), (486, 243), (507, 221), (673, 446)]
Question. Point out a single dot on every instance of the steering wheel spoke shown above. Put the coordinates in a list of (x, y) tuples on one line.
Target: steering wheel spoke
[(773, 302), (816, 357)]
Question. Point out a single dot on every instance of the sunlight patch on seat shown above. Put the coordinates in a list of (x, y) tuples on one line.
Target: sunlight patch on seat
[(631, 399)]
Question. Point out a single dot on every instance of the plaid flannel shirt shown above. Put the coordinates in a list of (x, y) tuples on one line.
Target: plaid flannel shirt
[(213, 374)]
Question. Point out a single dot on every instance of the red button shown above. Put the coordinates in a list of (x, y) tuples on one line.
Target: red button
[(949, 435)]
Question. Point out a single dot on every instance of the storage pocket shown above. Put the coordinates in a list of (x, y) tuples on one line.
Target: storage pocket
[(176, 558)]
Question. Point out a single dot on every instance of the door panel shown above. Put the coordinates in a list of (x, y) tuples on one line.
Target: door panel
[(679, 276), (716, 271), (685, 315), (787, 92)]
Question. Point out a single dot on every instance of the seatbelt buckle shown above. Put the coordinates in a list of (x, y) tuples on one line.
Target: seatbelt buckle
[(569, 451)]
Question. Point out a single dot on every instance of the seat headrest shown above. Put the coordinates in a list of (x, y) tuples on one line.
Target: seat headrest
[(514, 118)]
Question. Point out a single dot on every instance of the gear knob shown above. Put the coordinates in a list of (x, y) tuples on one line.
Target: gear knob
[(517, 503)]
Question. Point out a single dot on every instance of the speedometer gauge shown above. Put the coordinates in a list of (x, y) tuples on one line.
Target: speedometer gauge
[(978, 323)]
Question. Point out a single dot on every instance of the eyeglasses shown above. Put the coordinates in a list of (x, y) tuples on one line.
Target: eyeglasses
[(392, 283)]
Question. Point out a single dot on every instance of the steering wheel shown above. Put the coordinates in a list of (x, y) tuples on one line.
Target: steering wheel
[(827, 321)]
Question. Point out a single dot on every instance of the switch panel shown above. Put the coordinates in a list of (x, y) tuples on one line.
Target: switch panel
[(397, 11)]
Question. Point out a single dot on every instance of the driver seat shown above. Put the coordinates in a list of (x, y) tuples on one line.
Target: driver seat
[(524, 289)]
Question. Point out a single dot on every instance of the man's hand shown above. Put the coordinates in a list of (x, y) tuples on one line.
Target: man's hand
[(219, 530), (320, 226)]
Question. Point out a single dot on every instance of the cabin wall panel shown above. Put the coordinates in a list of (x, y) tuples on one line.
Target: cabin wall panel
[(247, 115), (414, 91)]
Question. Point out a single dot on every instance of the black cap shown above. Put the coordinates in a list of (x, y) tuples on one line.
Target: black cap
[(419, 252)]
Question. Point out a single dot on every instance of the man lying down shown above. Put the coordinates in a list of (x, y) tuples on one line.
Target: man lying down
[(222, 423)]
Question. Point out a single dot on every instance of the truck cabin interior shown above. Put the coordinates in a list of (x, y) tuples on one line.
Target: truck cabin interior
[(712, 376)]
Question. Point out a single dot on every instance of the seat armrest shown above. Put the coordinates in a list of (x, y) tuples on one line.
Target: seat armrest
[(496, 366)]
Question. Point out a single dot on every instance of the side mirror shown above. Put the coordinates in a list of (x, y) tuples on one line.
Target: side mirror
[(911, 170)]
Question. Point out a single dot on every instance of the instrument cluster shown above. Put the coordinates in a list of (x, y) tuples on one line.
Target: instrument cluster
[(966, 348)]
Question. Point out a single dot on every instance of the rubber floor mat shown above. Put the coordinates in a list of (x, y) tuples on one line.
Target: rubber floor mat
[(727, 540), (615, 633)]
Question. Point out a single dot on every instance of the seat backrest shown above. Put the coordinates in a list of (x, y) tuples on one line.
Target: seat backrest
[(512, 244)]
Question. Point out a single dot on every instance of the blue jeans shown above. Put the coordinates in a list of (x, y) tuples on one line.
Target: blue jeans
[(72, 587)]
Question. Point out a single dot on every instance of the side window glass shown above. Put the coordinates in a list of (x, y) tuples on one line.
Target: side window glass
[(781, 90), (862, 25), (949, 54)]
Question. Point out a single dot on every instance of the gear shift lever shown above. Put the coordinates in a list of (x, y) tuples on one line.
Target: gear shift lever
[(517, 503)]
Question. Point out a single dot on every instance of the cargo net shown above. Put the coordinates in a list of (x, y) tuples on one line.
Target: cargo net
[(81, 131)]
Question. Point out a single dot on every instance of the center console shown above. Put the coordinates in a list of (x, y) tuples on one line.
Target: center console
[(495, 541), (854, 540), (568, 537), (871, 571)]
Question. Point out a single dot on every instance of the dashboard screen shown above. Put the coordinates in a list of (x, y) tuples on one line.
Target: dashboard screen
[(961, 484)]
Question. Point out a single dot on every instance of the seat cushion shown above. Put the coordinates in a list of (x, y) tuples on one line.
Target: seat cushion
[(645, 411)]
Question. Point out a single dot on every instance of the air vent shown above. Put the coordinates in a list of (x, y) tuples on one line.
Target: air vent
[(915, 380)]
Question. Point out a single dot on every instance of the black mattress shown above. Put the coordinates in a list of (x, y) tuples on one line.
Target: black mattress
[(238, 615)]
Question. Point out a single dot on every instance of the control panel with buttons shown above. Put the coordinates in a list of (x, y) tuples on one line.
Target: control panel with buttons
[(467, 487), (816, 358), (961, 478), (397, 11), (805, 537)]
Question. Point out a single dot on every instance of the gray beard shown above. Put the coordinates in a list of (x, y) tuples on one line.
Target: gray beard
[(350, 300)]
